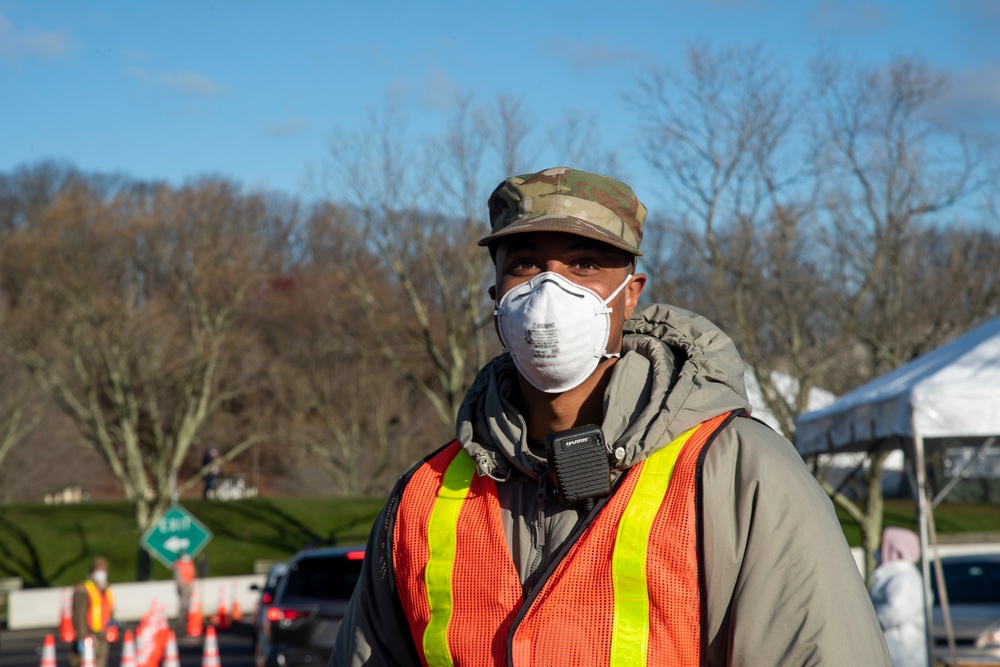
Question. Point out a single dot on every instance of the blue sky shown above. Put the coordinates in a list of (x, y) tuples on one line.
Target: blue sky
[(253, 90)]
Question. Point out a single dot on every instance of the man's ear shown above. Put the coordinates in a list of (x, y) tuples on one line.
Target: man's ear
[(632, 293), (493, 292)]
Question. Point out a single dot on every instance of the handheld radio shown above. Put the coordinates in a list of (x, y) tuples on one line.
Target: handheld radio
[(579, 459)]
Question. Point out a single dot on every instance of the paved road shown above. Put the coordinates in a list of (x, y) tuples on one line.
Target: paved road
[(23, 648)]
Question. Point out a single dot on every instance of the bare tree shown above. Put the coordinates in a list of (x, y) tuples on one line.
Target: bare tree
[(723, 137), (576, 142), (895, 181), (122, 304), (15, 423), (803, 221), (339, 398), (420, 224), (892, 172), (509, 134)]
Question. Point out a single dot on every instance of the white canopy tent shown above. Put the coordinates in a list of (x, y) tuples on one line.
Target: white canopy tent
[(787, 386), (952, 392)]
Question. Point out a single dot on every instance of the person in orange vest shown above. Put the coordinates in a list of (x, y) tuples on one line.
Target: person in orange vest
[(184, 576), (607, 500), (93, 613)]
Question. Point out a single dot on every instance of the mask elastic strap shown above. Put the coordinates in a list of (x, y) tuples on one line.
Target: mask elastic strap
[(604, 354), (604, 304)]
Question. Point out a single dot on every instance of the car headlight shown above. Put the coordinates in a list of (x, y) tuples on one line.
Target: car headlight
[(990, 638)]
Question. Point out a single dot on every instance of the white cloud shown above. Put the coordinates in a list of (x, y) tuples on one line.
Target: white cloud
[(18, 45), (979, 21), (135, 55), (594, 54), (851, 16), (439, 91), (190, 83), (973, 96), (287, 128), (978, 11)]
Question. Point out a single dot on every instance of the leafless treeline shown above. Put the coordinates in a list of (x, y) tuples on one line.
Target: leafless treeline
[(832, 222)]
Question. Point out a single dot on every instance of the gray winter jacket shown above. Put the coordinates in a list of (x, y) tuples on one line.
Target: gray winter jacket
[(782, 587)]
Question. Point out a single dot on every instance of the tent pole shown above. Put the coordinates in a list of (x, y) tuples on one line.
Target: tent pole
[(942, 589), (920, 472)]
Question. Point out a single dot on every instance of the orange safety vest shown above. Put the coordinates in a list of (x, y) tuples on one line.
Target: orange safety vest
[(185, 571), (101, 605), (626, 593)]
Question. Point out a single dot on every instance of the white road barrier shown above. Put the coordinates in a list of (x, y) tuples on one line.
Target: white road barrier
[(41, 607)]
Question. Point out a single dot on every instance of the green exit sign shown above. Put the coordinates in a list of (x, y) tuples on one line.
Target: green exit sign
[(176, 532)]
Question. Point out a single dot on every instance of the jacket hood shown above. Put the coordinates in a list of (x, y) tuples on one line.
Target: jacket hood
[(677, 369)]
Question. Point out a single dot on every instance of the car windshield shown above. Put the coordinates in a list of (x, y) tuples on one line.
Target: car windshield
[(275, 582), (323, 578), (969, 582), (275, 577)]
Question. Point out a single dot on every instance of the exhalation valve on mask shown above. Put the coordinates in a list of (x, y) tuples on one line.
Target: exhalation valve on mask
[(555, 330)]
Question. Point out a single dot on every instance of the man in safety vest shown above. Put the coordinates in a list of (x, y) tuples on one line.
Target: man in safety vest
[(184, 576), (93, 611), (607, 499)]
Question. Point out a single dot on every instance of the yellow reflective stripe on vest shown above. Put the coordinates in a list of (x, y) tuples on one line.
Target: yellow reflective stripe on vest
[(442, 530), (630, 634)]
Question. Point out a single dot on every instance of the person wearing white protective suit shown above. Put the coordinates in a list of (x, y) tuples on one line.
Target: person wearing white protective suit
[(897, 592)]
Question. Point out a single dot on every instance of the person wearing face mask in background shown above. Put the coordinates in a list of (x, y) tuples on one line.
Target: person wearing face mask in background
[(93, 611), (607, 500)]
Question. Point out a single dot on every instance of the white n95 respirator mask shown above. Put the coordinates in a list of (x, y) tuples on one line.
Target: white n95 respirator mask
[(555, 330)]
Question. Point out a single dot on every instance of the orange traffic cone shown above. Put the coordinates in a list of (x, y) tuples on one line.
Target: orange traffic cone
[(143, 641), (66, 631), (195, 616), (170, 657), (159, 645), (237, 614), (128, 650), (223, 613), (49, 652), (88, 653), (210, 655)]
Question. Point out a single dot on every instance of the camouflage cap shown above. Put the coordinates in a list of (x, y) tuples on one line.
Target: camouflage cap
[(566, 200)]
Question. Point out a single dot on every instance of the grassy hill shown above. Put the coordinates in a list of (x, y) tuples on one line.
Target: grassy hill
[(51, 545)]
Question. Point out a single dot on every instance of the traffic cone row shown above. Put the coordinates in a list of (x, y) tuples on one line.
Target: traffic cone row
[(144, 647)]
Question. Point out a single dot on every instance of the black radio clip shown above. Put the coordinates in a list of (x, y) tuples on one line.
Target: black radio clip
[(579, 460)]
